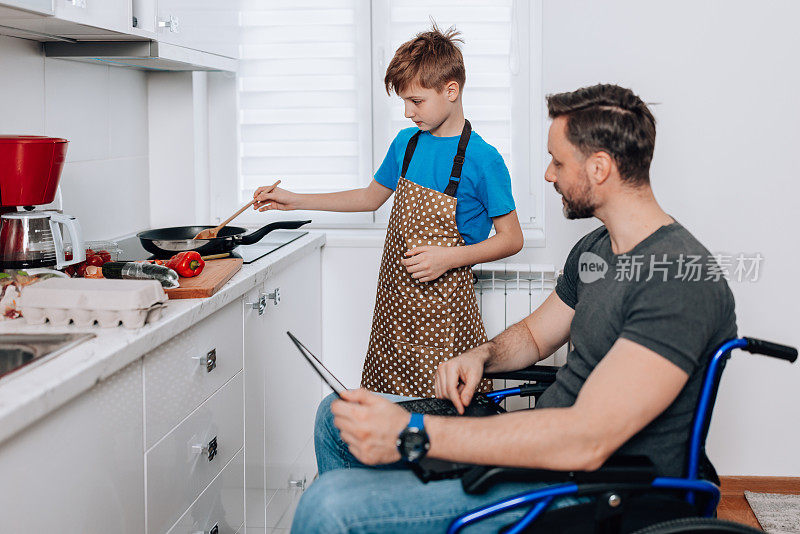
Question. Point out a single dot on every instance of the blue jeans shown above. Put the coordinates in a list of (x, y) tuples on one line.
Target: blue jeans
[(350, 497)]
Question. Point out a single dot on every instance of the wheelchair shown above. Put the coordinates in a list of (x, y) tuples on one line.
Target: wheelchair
[(625, 495)]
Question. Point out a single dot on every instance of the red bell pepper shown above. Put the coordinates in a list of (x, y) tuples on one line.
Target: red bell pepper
[(186, 264)]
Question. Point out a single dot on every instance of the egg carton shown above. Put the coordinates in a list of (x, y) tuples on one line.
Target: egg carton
[(84, 318), (86, 302)]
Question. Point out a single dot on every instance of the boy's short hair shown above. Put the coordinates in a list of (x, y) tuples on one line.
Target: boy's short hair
[(611, 119), (431, 59)]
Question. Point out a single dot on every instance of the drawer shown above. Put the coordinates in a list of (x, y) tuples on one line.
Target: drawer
[(177, 377), (221, 504), (179, 467), (282, 473), (289, 483)]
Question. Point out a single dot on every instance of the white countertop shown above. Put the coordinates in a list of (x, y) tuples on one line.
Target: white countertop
[(33, 392)]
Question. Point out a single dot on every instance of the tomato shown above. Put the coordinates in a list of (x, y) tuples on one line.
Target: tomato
[(106, 255), (80, 269), (95, 259)]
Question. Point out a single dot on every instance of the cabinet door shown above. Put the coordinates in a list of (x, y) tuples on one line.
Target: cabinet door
[(106, 14), (292, 388), (79, 469), (44, 7), (255, 357), (205, 25), (282, 392)]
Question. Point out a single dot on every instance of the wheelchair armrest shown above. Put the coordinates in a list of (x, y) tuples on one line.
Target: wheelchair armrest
[(618, 468), (537, 373)]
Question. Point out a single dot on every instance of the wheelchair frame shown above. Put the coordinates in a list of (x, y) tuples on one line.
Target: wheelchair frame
[(692, 484)]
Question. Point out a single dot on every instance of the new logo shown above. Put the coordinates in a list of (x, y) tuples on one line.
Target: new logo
[(591, 267)]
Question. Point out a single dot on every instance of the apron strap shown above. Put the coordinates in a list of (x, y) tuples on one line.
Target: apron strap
[(412, 144), (458, 161)]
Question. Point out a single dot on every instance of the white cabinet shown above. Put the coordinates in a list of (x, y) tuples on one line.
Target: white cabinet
[(79, 469), (167, 445), (43, 7), (186, 370), (221, 505), (184, 463), (255, 354), (71, 20), (207, 25), (111, 15), (164, 35), (279, 452)]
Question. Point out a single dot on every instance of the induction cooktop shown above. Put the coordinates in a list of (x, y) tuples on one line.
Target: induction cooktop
[(132, 250)]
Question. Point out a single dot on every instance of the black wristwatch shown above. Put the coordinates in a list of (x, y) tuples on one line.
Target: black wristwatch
[(413, 442)]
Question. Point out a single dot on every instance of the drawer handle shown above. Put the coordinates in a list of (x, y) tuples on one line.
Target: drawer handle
[(171, 23), (210, 449), (275, 296), (260, 305), (209, 361), (214, 530), (297, 483)]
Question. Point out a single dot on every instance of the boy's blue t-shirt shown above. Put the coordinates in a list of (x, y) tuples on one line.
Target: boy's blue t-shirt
[(485, 187)]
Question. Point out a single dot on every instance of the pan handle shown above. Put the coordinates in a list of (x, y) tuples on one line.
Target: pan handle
[(253, 237)]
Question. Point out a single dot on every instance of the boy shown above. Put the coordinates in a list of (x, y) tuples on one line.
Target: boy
[(450, 187)]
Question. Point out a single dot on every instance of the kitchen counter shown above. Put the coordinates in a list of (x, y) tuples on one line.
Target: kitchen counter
[(33, 392)]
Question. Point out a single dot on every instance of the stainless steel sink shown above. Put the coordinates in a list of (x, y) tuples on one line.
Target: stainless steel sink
[(19, 350)]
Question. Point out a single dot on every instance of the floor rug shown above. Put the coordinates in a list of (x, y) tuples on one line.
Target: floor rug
[(776, 512)]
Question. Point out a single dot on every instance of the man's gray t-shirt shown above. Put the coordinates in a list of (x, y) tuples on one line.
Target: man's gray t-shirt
[(666, 294)]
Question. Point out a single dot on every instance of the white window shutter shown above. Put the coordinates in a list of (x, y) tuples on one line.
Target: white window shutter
[(304, 98), (313, 107)]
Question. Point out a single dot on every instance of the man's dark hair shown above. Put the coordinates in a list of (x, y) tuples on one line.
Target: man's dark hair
[(611, 119)]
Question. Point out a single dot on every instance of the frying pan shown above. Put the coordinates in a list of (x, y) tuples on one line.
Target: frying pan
[(166, 242)]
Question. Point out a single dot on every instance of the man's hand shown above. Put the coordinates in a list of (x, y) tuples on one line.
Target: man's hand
[(369, 424), (428, 263), (457, 378)]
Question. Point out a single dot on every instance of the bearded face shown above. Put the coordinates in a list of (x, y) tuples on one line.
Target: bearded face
[(579, 201)]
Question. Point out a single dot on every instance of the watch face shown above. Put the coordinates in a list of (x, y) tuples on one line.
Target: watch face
[(413, 444)]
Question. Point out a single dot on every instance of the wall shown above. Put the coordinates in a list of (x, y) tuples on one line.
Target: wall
[(725, 166), (102, 111)]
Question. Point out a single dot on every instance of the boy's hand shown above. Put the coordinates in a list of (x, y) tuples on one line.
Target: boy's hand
[(272, 197), (369, 424), (428, 263)]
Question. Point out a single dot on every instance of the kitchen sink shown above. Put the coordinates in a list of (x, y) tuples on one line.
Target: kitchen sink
[(19, 350)]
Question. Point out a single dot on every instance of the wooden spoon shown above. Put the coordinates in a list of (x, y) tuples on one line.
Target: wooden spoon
[(211, 233)]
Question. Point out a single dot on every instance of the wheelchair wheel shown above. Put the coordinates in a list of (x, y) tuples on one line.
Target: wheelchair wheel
[(699, 525)]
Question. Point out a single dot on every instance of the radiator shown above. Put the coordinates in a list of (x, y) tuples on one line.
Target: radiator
[(508, 292)]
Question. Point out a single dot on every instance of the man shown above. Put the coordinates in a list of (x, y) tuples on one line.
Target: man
[(642, 317)]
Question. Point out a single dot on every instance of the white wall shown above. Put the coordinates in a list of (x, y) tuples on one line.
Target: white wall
[(725, 81), (102, 111)]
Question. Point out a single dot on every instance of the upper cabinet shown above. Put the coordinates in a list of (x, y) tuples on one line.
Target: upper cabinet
[(111, 15), (42, 7), (211, 26), (171, 34), (66, 20)]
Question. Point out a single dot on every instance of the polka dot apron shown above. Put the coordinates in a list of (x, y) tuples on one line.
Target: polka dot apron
[(418, 325)]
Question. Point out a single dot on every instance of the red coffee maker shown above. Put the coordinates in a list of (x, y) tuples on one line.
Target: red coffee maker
[(30, 169)]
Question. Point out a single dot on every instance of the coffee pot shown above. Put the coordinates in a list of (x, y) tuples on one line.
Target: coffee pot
[(33, 239)]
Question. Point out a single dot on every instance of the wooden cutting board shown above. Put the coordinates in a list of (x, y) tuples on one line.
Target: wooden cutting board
[(215, 274)]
